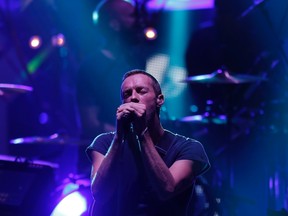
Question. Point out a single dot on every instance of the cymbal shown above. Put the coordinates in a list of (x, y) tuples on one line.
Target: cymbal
[(50, 140), (205, 119), (16, 159), (6, 88), (223, 77)]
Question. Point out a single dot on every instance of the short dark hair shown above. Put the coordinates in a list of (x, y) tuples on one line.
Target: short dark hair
[(156, 85)]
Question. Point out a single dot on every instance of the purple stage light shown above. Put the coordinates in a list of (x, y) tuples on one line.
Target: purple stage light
[(75, 200), (180, 4)]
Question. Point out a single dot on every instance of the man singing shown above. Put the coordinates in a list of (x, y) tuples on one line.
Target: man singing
[(142, 168)]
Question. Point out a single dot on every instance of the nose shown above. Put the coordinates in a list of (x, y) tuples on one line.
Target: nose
[(134, 97)]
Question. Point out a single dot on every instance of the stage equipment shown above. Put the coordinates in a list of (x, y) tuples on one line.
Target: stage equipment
[(52, 139), (223, 76), (26, 186), (6, 88), (73, 197), (206, 118), (58, 40), (179, 5), (56, 148), (150, 33), (35, 42)]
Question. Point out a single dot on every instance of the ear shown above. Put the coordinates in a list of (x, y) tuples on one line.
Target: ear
[(160, 100)]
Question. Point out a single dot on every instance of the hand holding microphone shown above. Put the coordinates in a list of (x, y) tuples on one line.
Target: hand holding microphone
[(131, 116)]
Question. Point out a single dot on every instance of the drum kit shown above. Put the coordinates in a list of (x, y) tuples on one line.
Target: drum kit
[(225, 78), (221, 77), (30, 160)]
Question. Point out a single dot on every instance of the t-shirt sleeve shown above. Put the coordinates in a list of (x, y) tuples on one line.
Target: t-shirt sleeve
[(194, 150), (100, 144)]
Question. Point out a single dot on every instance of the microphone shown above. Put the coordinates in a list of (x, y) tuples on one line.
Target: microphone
[(135, 137), (132, 128), (128, 127), (128, 118)]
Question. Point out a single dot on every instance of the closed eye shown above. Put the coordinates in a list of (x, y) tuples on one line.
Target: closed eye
[(126, 94), (141, 90)]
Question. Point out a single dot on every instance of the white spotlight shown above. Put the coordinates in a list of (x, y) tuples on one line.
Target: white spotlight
[(35, 42), (150, 33)]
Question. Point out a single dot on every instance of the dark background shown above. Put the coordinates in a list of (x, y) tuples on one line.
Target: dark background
[(248, 152)]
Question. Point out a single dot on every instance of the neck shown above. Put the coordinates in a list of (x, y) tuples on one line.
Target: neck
[(156, 130)]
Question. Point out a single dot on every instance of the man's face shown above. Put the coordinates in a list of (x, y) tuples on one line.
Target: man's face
[(138, 88)]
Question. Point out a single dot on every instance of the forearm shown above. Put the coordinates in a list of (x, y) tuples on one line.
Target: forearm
[(157, 171), (104, 181)]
